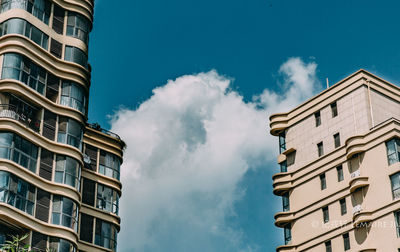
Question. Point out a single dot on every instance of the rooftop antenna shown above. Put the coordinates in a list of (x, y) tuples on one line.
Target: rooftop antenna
[(327, 83)]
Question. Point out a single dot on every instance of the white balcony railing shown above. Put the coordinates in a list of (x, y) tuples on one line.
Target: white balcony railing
[(357, 209), (355, 174)]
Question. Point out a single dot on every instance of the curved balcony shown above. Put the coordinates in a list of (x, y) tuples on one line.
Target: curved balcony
[(286, 248), (13, 215), (278, 122), (100, 214), (15, 43), (283, 218), (357, 181), (367, 250), (20, 89), (11, 125), (361, 217), (36, 180)]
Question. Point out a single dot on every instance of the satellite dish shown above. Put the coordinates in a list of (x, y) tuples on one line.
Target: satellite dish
[(86, 159)]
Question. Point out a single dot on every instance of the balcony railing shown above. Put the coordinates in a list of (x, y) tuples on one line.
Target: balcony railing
[(357, 209), (355, 174), (97, 127), (12, 112)]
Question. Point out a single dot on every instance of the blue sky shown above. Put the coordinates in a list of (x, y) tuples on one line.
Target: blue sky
[(138, 45)]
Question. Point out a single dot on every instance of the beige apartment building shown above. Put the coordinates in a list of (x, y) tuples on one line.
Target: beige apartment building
[(339, 173), (59, 175)]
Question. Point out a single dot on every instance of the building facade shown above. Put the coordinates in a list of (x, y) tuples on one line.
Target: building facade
[(59, 175), (339, 164)]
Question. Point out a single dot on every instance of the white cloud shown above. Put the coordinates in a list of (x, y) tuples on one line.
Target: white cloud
[(189, 146)]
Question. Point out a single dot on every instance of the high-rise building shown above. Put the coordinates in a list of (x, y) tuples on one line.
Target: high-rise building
[(339, 173), (59, 175)]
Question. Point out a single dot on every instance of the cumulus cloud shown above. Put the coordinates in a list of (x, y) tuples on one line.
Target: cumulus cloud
[(189, 146)]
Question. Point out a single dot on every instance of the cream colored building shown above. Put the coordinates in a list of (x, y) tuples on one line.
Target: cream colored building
[(340, 168), (59, 175)]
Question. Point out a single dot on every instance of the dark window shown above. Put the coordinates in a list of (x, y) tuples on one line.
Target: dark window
[(343, 208), (78, 26), (320, 147), (283, 166), (70, 132), (397, 221), (393, 150), (106, 235), (39, 241), (42, 205), (46, 164), (336, 139), (395, 181), (86, 228), (323, 181), (346, 241), (76, 55), (88, 192), (107, 199), (58, 19), (39, 8), (285, 202), (328, 246), (339, 170), (282, 142), (21, 68), (52, 89), (109, 164), (288, 233), (334, 109), (325, 212), (49, 125), (91, 151), (56, 48), (317, 118)]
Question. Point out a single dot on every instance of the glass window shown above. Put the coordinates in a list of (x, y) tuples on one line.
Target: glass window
[(109, 164), (395, 181), (18, 150), (317, 116), (346, 241), (325, 212), (283, 166), (22, 69), (320, 147), (22, 27), (285, 202), (107, 199), (65, 212), (339, 170), (336, 139), (334, 109), (393, 150), (343, 208), (39, 8), (288, 233), (61, 245), (282, 142), (105, 235), (328, 246), (322, 178), (16, 192), (76, 55), (68, 171), (74, 96), (78, 26), (397, 221), (70, 132)]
